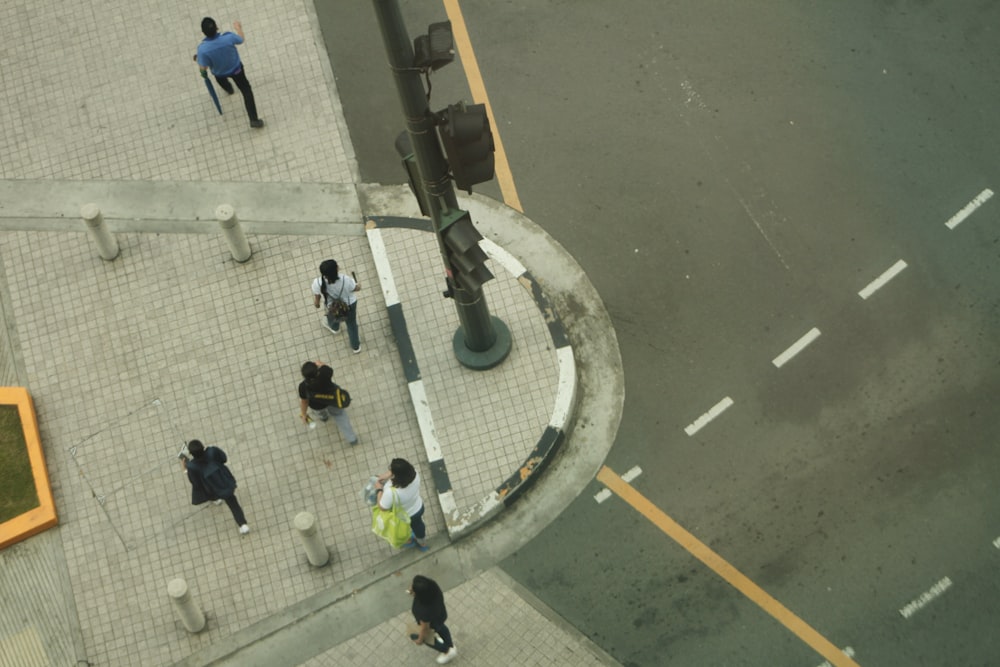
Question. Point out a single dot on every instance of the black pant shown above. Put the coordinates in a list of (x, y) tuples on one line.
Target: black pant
[(243, 84), (445, 634), (234, 507)]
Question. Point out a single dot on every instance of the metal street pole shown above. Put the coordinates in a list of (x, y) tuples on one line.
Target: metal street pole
[(482, 341)]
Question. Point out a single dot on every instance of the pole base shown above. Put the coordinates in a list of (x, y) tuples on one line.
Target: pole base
[(487, 359)]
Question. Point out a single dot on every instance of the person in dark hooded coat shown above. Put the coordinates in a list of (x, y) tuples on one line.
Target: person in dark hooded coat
[(212, 480)]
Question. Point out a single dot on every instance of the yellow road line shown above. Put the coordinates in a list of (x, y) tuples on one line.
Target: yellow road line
[(464, 45), (721, 567)]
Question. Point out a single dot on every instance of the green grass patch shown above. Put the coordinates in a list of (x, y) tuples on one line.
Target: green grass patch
[(17, 485)]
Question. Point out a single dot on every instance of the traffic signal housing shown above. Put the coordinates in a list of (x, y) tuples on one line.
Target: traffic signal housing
[(435, 49), (466, 260), (468, 142)]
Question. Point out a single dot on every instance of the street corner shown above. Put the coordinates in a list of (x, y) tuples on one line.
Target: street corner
[(537, 280)]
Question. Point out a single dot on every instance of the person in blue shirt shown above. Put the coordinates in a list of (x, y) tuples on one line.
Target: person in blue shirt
[(218, 52)]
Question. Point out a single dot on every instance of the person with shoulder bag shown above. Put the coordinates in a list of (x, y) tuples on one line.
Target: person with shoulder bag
[(336, 292), (401, 484)]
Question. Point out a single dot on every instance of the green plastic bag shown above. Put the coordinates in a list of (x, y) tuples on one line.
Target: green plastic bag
[(392, 525)]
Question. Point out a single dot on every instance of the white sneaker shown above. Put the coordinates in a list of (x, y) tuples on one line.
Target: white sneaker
[(244, 529), (326, 325), (217, 502), (445, 658)]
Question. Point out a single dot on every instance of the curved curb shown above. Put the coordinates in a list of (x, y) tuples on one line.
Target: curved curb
[(461, 522)]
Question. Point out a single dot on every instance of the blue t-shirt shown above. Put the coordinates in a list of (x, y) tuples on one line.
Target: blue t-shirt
[(220, 54)]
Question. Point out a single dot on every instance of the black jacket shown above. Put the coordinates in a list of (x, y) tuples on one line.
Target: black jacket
[(210, 478)]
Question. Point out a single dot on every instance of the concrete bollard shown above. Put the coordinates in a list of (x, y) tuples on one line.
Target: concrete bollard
[(191, 616), (107, 244), (316, 551), (239, 247)]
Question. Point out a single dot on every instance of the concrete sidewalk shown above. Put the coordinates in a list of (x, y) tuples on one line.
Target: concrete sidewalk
[(173, 340)]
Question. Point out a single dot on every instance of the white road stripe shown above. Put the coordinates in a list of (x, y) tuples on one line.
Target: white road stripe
[(714, 412), (796, 347), (605, 493), (996, 543), (925, 598), (632, 474), (507, 260), (382, 265), (980, 199), (847, 650), (880, 282), (602, 495)]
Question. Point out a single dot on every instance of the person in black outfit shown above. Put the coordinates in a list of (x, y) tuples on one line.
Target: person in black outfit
[(211, 479), (430, 613), (316, 393)]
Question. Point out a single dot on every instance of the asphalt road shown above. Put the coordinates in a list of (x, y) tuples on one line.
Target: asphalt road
[(731, 176)]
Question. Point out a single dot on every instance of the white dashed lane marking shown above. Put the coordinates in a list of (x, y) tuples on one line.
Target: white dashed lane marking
[(796, 347), (713, 412), (925, 598), (848, 651), (880, 282), (605, 493), (980, 199)]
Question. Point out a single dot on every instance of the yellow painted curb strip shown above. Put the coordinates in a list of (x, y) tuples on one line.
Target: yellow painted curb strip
[(44, 516), (721, 567), (475, 78)]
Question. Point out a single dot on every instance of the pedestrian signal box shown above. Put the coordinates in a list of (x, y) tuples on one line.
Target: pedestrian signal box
[(468, 142)]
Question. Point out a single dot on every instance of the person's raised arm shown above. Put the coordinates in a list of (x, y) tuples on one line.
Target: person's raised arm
[(238, 29)]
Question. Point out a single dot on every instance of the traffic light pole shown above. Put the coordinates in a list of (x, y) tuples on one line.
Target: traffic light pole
[(482, 341)]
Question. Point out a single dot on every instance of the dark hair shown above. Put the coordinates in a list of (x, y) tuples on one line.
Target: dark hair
[(426, 590), (329, 270), (208, 27), (317, 378), (402, 473), (196, 449)]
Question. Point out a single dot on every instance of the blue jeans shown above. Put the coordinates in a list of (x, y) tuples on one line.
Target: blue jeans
[(352, 325), (417, 525)]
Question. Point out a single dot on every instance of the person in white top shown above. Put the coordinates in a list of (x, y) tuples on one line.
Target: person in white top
[(332, 289), (402, 477)]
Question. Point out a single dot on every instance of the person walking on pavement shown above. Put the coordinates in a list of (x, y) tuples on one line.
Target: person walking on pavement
[(403, 477), (430, 613), (218, 52), (212, 480), (318, 392), (336, 291)]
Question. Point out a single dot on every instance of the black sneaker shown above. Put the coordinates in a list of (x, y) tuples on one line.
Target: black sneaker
[(257, 124)]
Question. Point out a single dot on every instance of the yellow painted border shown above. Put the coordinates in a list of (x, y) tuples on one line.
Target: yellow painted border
[(505, 179), (721, 567), (44, 516)]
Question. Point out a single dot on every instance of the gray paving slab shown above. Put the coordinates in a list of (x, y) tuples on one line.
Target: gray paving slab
[(108, 91), (494, 622)]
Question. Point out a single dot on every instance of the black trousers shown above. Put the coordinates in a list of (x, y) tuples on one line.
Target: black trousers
[(243, 84), (234, 507)]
